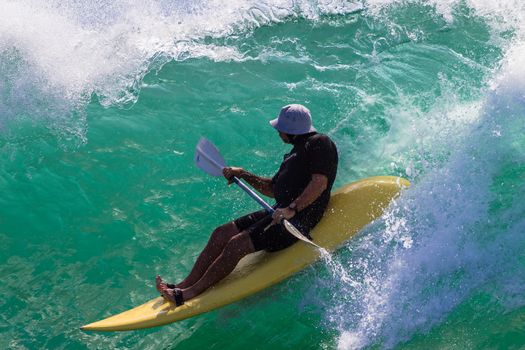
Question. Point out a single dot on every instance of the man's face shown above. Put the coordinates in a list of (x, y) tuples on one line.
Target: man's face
[(284, 137)]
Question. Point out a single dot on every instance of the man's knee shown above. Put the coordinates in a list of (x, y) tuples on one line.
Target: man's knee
[(239, 244), (225, 232)]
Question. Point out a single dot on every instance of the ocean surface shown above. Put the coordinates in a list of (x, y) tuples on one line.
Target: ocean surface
[(103, 102)]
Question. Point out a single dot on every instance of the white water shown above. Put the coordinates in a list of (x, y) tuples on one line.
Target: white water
[(441, 242), (59, 53)]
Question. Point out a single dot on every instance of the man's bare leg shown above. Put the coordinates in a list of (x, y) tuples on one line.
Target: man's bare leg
[(237, 247), (218, 240)]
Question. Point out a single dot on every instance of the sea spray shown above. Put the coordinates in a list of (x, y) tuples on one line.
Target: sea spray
[(343, 290), (440, 245), (64, 53), (337, 271)]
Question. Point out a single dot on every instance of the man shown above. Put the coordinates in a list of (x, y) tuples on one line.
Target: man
[(301, 188)]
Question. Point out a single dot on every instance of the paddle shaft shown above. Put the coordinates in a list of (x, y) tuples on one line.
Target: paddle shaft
[(254, 195)]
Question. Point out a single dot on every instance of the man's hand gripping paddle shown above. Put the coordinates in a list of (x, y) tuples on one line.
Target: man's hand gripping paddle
[(208, 158)]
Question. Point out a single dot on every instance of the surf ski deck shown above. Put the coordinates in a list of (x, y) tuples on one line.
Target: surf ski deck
[(350, 209)]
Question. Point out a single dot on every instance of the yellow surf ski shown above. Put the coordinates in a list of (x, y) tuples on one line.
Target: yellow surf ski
[(351, 208)]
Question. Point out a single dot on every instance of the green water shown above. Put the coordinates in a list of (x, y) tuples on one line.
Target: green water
[(100, 193)]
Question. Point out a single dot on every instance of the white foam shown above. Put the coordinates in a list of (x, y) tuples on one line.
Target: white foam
[(455, 249), (512, 77), (72, 49), (61, 52), (78, 44), (504, 14)]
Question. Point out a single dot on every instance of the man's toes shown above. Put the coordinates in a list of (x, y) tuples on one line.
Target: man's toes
[(158, 284)]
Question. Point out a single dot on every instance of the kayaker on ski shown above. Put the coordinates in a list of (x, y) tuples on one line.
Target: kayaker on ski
[(301, 188)]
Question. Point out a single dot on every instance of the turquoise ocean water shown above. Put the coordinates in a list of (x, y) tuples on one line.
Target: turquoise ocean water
[(102, 103)]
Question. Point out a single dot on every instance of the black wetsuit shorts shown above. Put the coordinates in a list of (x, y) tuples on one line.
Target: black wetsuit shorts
[(276, 237)]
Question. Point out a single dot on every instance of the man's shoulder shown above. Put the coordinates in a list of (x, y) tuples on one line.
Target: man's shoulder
[(320, 140)]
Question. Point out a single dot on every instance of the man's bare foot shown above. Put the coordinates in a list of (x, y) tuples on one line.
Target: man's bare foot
[(163, 288), (168, 295), (161, 285)]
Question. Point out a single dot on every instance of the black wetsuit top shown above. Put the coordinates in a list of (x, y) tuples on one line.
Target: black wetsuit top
[(313, 153)]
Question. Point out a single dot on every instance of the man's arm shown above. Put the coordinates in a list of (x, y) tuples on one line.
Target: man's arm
[(261, 184), (313, 190)]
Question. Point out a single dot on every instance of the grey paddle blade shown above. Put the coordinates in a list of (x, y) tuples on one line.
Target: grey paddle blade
[(297, 234), (208, 158)]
